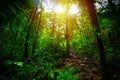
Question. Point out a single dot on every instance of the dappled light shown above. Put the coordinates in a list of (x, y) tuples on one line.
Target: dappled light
[(59, 39), (59, 9)]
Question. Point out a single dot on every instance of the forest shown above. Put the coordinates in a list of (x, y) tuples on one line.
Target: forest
[(59, 39)]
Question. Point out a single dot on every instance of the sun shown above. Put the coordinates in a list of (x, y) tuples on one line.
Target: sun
[(58, 8), (73, 9)]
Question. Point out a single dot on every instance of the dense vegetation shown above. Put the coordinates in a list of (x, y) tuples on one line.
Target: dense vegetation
[(40, 44)]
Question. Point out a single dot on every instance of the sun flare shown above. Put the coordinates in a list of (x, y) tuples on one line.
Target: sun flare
[(73, 9), (58, 8)]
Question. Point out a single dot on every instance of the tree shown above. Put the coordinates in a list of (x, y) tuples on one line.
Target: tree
[(39, 16), (26, 52), (94, 21), (67, 32), (111, 6)]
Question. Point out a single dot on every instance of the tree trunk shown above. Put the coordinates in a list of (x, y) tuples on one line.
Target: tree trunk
[(53, 24), (67, 33), (25, 56), (37, 30), (111, 6), (94, 21), (110, 2)]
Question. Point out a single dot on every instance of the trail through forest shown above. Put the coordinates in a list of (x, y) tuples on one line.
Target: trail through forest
[(59, 39), (90, 68)]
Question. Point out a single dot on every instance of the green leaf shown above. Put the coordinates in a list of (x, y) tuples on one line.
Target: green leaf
[(19, 63), (51, 74)]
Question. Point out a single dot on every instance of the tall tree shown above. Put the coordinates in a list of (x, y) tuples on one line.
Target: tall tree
[(94, 21), (67, 33), (53, 24), (25, 56), (39, 16)]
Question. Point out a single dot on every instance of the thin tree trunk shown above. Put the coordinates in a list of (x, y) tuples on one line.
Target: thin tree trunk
[(53, 24), (25, 56), (37, 31), (67, 33), (93, 17)]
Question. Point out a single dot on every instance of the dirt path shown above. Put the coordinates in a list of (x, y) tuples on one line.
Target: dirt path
[(90, 69)]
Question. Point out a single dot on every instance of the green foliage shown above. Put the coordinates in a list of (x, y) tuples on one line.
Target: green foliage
[(14, 62), (42, 64), (63, 74), (46, 49)]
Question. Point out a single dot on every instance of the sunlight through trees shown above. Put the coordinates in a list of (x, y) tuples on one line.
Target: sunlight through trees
[(59, 39), (59, 9), (73, 9)]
